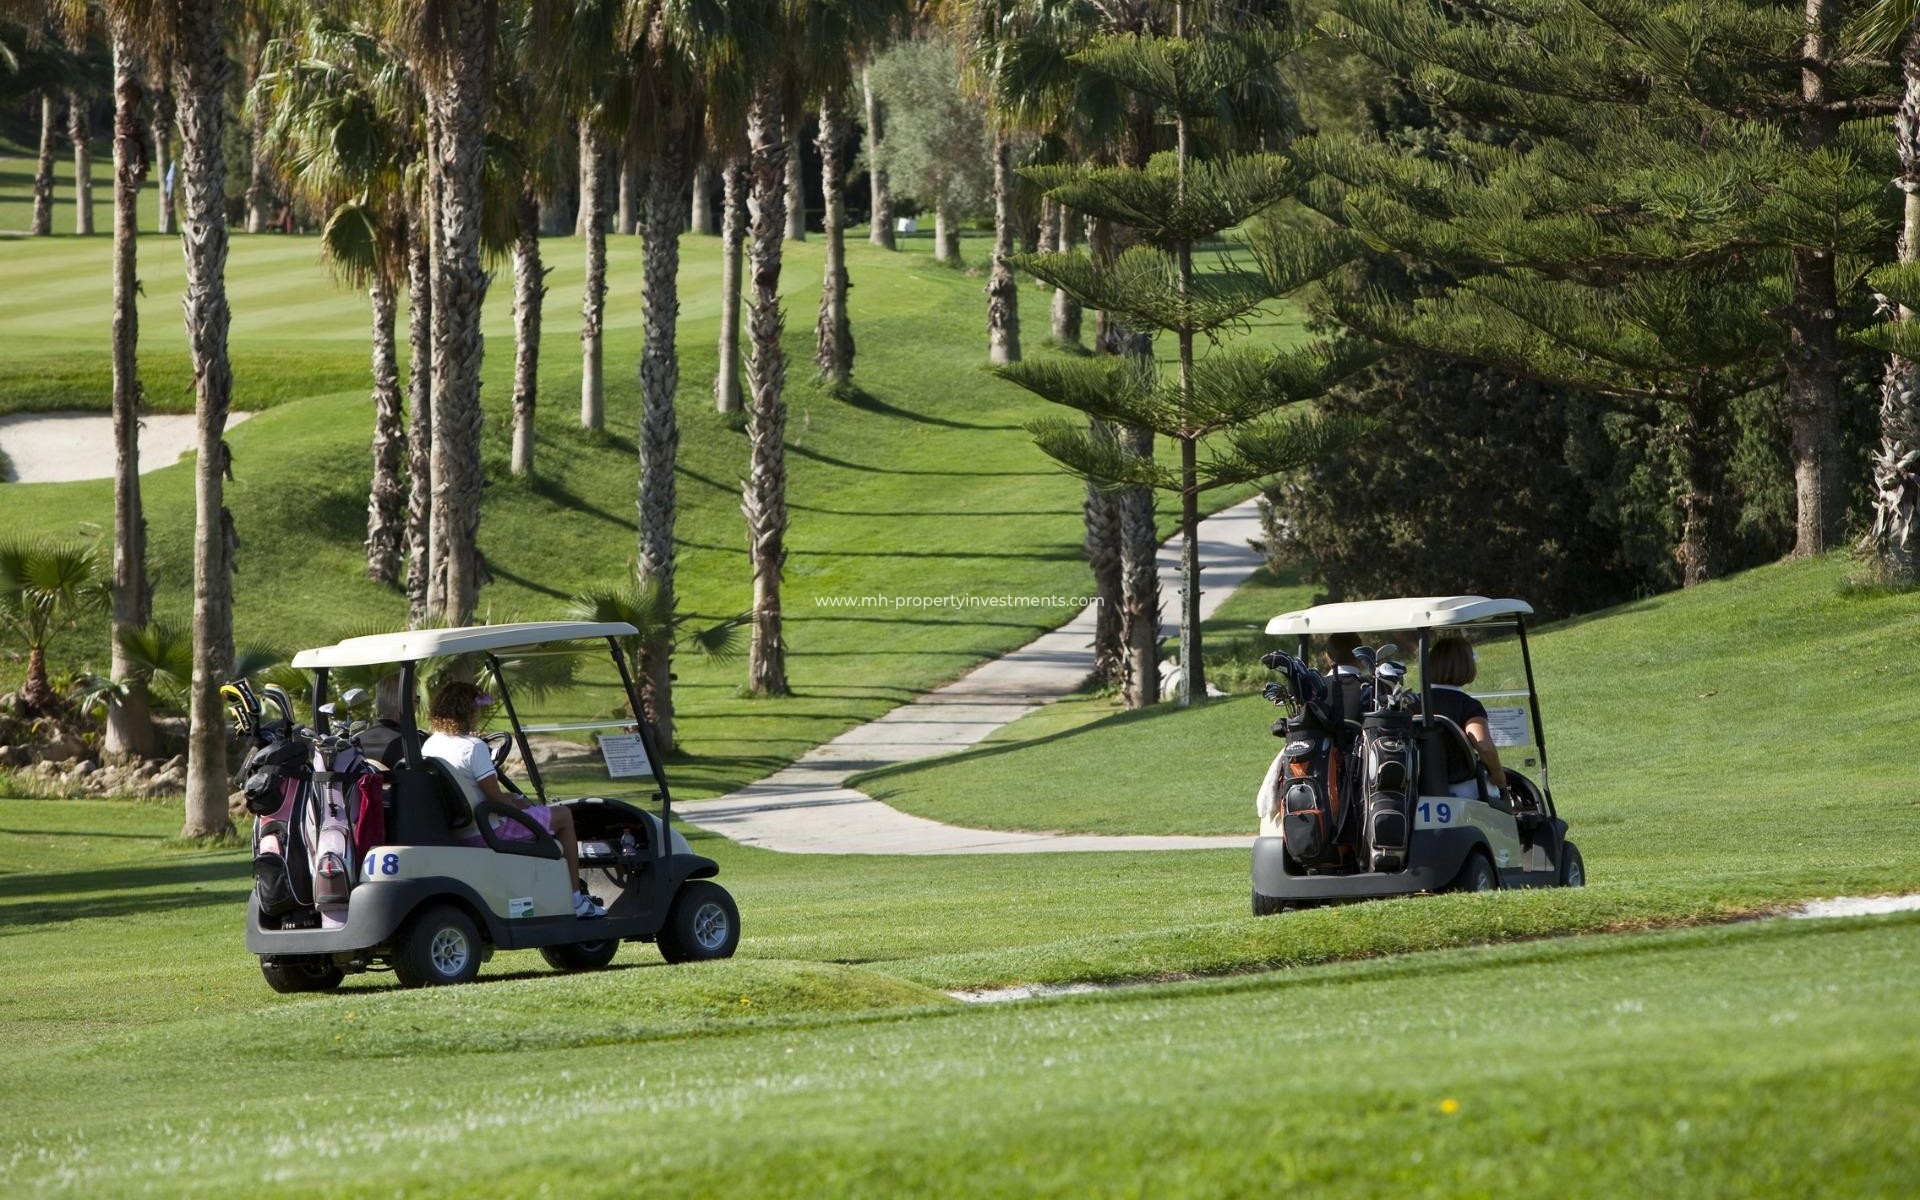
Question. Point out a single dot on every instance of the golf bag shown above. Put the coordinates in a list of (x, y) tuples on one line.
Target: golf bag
[(1308, 800), (339, 795), (276, 775), (1387, 774)]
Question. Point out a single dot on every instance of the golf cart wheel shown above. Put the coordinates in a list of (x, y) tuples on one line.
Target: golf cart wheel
[(1573, 869), (1267, 906), (439, 947), (701, 924), (581, 956), (289, 975), (1476, 875)]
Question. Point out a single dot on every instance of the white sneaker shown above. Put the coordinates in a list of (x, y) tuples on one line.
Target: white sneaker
[(586, 906)]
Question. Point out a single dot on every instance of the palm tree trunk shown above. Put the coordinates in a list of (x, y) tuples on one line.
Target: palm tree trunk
[(202, 64), (1003, 293), (700, 201), (1139, 581), (796, 189), (130, 721), (1066, 310), (764, 495), (37, 696), (1102, 515), (593, 208), (387, 497), (78, 131), (733, 236), (43, 170), (946, 234), (1813, 357), (1896, 469), (626, 218), (261, 184), (833, 333), (163, 158), (459, 91), (419, 418), (664, 209), (880, 226), (529, 294)]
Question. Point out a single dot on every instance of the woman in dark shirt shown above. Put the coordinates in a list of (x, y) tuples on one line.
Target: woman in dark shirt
[(1450, 667)]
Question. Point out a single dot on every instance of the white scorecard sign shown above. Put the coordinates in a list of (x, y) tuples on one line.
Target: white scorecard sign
[(1509, 726), (626, 755)]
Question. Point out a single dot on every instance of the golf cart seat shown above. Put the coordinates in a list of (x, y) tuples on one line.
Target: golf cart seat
[(1447, 758), (429, 806)]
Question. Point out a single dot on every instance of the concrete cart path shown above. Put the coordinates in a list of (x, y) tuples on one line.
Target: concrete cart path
[(807, 808)]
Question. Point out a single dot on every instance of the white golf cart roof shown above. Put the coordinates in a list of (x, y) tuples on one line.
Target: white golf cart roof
[(411, 645), (1384, 616)]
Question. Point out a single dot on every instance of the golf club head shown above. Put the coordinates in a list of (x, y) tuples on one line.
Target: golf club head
[(278, 697), (1386, 651), (1391, 673), (1364, 656), (353, 698), (329, 709), (1273, 659)]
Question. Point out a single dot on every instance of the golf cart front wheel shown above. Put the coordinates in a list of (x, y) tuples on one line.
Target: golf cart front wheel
[(1476, 875), (290, 975), (1573, 870), (702, 924), (439, 947), (581, 956)]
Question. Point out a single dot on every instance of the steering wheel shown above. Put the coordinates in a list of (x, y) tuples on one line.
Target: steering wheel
[(499, 745)]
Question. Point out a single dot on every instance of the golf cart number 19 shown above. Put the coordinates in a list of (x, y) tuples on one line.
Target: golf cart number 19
[(389, 864), (1438, 814)]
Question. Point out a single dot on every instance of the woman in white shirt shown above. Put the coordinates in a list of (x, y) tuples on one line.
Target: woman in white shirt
[(454, 714)]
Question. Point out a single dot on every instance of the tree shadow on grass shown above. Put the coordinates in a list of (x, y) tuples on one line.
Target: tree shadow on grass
[(855, 396), (128, 878), (844, 465), (28, 915)]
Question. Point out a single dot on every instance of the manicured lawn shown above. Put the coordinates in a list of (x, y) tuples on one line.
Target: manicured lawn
[(1726, 1061)]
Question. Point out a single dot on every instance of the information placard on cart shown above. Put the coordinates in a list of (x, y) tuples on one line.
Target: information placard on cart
[(626, 755), (1509, 726)]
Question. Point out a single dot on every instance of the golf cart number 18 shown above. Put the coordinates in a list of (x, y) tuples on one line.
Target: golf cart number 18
[(1438, 814), (389, 864)]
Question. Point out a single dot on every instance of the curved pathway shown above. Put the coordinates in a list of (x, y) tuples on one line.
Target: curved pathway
[(807, 808)]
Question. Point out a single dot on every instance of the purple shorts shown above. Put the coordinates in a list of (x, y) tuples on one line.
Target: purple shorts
[(513, 831)]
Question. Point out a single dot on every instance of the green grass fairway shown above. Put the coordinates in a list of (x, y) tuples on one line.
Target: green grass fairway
[(149, 1058)]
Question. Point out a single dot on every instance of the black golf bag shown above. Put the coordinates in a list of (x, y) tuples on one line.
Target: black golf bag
[(1318, 777), (1386, 762), (275, 779)]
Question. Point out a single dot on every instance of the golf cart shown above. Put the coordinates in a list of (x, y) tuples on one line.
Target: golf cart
[(1375, 794), (362, 864)]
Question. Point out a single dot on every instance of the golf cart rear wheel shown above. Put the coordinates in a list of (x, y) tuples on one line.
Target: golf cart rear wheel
[(701, 924), (1573, 870), (1267, 906), (289, 975), (1476, 875), (581, 956), (439, 947)]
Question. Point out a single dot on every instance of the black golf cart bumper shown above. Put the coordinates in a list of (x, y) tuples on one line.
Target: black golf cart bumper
[(1435, 858)]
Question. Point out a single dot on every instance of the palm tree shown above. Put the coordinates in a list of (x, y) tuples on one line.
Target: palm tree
[(44, 587), (162, 91), (129, 722), (594, 178), (451, 47), (43, 169), (833, 332), (733, 236), (880, 224), (336, 107), (764, 495), (79, 131)]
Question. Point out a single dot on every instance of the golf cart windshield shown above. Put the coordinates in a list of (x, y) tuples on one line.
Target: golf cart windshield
[(575, 723), (1500, 683)]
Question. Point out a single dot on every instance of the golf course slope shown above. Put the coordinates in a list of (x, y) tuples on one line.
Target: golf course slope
[(1723, 754)]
